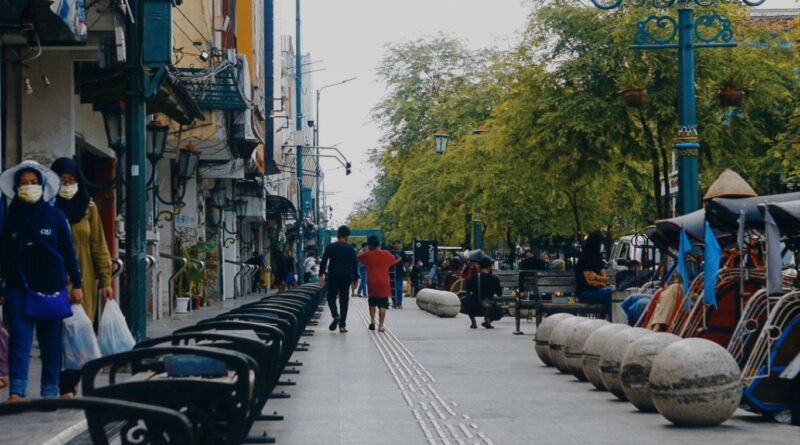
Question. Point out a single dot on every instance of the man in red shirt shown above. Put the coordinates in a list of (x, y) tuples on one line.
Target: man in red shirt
[(378, 262)]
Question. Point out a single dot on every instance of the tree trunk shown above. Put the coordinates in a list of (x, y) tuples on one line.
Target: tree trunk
[(667, 169), (651, 143), (573, 202)]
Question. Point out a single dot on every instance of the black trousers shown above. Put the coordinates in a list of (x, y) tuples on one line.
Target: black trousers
[(343, 292)]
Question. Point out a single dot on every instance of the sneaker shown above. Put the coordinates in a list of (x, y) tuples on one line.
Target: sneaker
[(487, 325), (342, 330), (333, 324), (372, 326), (473, 325)]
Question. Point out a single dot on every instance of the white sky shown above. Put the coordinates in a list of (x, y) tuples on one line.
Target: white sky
[(348, 36)]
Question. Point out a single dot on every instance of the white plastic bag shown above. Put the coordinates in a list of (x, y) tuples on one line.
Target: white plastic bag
[(80, 343), (115, 337)]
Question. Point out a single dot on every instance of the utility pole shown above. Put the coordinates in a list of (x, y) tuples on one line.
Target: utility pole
[(298, 66), (135, 189)]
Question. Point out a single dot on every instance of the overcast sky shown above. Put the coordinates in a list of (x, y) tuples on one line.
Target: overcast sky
[(348, 37)]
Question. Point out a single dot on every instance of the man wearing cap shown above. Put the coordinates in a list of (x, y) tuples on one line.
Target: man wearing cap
[(377, 262), (339, 268)]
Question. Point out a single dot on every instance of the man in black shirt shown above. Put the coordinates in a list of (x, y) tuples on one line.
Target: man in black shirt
[(339, 268), (399, 274)]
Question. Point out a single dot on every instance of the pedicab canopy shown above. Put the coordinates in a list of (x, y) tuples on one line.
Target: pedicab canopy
[(723, 213), (729, 185), (666, 232), (786, 216)]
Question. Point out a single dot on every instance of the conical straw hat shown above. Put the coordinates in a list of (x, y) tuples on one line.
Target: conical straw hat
[(729, 185)]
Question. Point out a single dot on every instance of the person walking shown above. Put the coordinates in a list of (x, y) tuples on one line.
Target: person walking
[(399, 273), (377, 263), (362, 273), (90, 245), (291, 269), (309, 264), (338, 270), (279, 271), (43, 255), (483, 287)]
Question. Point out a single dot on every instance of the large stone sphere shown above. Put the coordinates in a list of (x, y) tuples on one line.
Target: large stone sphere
[(558, 339), (611, 358), (543, 332), (636, 365), (695, 382), (573, 350), (592, 349)]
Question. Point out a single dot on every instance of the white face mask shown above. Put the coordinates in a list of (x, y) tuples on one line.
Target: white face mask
[(30, 193), (68, 191)]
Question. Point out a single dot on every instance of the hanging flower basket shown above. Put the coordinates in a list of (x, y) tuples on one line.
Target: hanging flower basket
[(731, 97), (635, 97)]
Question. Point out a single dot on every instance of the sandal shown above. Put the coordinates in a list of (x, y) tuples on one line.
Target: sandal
[(487, 325), (13, 398), (342, 330), (381, 329), (3, 382)]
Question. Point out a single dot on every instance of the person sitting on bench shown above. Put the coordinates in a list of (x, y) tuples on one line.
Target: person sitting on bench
[(591, 279), (483, 287)]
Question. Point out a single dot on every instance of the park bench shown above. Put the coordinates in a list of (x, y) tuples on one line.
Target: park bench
[(215, 377), (540, 288), (135, 423)]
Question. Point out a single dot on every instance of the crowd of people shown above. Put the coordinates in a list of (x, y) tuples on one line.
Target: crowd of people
[(60, 258)]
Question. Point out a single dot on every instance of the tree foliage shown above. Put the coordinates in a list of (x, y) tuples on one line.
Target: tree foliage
[(559, 153)]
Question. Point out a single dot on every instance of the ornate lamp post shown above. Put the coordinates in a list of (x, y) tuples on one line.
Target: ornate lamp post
[(688, 32)]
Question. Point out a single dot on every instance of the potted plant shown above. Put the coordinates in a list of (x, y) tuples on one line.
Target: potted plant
[(732, 90), (633, 89)]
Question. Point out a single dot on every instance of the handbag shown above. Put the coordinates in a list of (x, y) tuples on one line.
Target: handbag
[(43, 306)]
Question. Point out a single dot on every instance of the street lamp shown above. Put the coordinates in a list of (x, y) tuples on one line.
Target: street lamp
[(318, 173), (188, 159), (710, 30), (114, 122), (155, 140), (240, 208), (442, 138)]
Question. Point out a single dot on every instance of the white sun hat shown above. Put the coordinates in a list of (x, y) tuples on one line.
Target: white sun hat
[(51, 181)]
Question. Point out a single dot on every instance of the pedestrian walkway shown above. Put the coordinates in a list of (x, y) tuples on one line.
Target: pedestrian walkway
[(59, 427), (430, 380)]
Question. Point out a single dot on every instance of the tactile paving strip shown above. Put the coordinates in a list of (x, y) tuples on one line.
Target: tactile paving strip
[(439, 419)]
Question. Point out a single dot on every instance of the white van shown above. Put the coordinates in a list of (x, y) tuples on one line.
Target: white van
[(634, 247)]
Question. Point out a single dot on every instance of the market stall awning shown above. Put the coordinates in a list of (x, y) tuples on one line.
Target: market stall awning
[(215, 88)]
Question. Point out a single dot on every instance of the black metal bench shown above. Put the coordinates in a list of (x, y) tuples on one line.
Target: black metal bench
[(133, 423), (539, 289)]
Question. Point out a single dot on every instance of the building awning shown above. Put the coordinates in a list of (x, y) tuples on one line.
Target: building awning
[(59, 22), (215, 88), (278, 205), (103, 87)]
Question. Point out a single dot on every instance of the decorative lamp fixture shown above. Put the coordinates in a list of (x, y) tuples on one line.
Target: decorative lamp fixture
[(240, 208), (442, 138), (114, 122), (188, 159), (156, 141), (218, 197)]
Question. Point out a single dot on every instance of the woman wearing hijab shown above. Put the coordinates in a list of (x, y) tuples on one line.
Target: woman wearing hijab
[(591, 278), (90, 246), (43, 255)]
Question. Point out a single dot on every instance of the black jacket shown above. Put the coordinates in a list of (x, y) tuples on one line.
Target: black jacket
[(339, 263), (27, 244)]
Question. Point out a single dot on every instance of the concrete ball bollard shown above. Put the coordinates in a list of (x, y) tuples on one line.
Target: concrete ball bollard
[(636, 366), (438, 302), (543, 332), (558, 339), (573, 350), (695, 383), (611, 358), (592, 349)]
